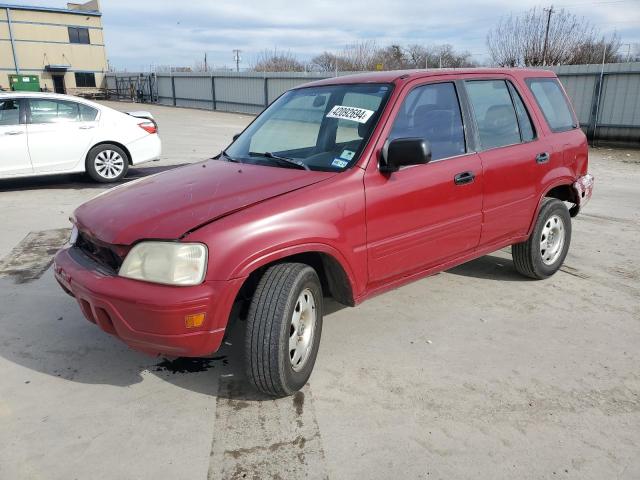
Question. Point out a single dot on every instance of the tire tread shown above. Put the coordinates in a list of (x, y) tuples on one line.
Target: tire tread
[(523, 253), (270, 301)]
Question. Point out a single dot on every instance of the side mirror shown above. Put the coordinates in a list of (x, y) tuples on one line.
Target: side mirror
[(235, 137), (404, 151)]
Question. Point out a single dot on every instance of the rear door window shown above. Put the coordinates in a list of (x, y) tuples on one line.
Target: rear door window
[(553, 103), (432, 112), (494, 113), (527, 133), (53, 111), (9, 112)]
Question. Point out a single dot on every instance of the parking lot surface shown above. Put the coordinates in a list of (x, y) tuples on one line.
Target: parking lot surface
[(473, 373)]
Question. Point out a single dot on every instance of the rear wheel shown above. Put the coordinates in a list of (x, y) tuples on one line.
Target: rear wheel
[(544, 252), (284, 325), (107, 163)]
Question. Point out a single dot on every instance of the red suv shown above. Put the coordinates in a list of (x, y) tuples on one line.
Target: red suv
[(343, 188)]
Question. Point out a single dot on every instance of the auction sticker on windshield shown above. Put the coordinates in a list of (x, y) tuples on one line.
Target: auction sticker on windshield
[(360, 115)]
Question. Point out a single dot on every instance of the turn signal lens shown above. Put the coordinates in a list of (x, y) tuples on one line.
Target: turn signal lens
[(195, 320)]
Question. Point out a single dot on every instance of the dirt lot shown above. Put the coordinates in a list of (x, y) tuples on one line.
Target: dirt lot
[(472, 373)]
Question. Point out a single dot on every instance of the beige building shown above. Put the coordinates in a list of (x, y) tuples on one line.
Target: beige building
[(63, 47)]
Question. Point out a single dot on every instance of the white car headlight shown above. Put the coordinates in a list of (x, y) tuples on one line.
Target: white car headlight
[(170, 263), (73, 238)]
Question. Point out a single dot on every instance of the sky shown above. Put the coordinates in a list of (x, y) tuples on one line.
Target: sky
[(142, 33)]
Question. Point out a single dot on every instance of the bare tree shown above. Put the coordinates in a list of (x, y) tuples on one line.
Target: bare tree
[(447, 57), (325, 62), (592, 51), (519, 40), (418, 56), (392, 57), (367, 56), (358, 56), (276, 61)]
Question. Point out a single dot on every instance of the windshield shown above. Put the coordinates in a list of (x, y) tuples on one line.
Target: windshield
[(316, 128)]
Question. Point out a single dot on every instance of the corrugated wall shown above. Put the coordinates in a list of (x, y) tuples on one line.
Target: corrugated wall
[(607, 102)]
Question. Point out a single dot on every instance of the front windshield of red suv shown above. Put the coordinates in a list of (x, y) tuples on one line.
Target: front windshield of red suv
[(315, 128)]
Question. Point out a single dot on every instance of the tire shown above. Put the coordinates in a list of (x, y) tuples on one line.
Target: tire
[(271, 329), (107, 163), (544, 252)]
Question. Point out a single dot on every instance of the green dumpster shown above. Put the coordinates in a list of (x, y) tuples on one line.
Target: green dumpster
[(24, 83)]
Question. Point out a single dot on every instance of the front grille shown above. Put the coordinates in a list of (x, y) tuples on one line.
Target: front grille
[(100, 253)]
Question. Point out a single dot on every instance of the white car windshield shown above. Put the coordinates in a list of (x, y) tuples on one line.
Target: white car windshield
[(315, 128)]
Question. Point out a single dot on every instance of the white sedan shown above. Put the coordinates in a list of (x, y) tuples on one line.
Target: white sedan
[(46, 133)]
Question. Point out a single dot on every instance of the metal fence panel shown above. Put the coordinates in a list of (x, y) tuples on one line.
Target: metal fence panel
[(581, 90), (620, 100), (618, 109), (194, 92), (165, 91), (240, 94), (278, 85)]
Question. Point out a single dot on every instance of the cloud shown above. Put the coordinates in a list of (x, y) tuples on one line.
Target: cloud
[(144, 32)]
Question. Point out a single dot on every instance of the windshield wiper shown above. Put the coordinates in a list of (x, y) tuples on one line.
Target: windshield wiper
[(285, 160)]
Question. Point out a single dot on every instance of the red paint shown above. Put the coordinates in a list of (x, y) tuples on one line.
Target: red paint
[(167, 206), (383, 229)]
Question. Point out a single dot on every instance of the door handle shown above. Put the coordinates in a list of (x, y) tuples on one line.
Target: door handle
[(86, 127), (15, 132), (464, 178), (542, 158)]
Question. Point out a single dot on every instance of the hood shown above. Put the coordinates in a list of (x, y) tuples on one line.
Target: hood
[(168, 205)]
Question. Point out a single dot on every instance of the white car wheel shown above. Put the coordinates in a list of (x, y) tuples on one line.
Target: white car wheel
[(107, 163)]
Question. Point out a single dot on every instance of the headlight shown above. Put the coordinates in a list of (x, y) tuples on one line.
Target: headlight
[(166, 262), (73, 238)]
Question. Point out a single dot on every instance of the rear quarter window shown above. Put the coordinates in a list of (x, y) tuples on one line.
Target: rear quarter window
[(553, 103), (87, 113)]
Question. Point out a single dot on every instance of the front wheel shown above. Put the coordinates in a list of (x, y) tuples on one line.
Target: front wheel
[(544, 252), (284, 325)]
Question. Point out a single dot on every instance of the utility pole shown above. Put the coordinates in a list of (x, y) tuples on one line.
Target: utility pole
[(236, 58), (546, 35), (206, 67), (601, 85)]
